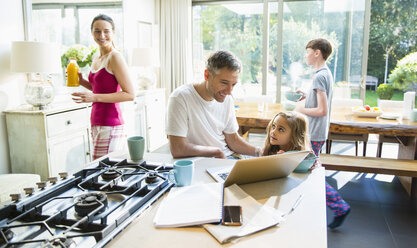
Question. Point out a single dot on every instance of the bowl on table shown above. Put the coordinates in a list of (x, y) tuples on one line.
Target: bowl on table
[(293, 96), (306, 163)]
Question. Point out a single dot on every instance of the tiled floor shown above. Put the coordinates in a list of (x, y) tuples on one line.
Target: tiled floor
[(382, 215)]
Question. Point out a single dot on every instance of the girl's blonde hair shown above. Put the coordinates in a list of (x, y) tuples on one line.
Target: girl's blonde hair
[(299, 139)]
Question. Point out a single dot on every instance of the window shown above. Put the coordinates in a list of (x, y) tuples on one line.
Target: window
[(238, 27), (232, 27), (69, 24)]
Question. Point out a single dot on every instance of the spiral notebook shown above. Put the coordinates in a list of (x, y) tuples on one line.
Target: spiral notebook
[(191, 205)]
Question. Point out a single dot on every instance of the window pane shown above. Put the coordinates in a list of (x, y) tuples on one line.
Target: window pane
[(341, 22), (46, 25), (233, 27)]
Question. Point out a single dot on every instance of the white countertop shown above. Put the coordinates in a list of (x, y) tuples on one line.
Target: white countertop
[(305, 227)]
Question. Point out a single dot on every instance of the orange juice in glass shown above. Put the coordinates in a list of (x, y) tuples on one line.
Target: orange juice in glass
[(72, 74)]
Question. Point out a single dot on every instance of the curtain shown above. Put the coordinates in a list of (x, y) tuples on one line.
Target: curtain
[(176, 43)]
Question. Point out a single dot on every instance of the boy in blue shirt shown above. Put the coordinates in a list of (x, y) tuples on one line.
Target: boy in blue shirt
[(317, 109)]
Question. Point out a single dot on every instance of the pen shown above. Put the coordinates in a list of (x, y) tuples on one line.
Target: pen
[(297, 202)]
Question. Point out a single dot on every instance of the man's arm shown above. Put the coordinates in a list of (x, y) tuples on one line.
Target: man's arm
[(181, 148), (239, 145), (320, 110)]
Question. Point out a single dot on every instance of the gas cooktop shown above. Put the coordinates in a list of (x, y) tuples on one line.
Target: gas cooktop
[(87, 209)]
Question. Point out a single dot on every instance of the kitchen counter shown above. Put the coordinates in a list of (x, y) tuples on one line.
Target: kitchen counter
[(305, 227)]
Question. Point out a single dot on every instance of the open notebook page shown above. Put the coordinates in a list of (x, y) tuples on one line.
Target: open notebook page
[(191, 205)]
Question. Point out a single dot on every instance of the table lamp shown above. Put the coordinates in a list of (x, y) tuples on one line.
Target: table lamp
[(147, 58), (39, 58)]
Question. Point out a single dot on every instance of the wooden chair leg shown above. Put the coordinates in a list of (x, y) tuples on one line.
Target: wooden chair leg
[(329, 147), (379, 150), (364, 148), (356, 148)]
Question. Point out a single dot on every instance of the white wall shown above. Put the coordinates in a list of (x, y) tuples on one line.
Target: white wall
[(135, 11), (11, 84)]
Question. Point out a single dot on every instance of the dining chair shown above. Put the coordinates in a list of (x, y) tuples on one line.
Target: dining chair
[(347, 136), (398, 106)]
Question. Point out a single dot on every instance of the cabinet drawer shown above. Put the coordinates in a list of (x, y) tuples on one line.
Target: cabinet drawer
[(67, 121)]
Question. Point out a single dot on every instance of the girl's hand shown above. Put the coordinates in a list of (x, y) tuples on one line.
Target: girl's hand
[(83, 97), (280, 152)]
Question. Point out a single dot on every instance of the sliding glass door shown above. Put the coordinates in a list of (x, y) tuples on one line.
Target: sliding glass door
[(239, 27)]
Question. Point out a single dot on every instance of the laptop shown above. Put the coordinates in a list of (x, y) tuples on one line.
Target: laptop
[(258, 169)]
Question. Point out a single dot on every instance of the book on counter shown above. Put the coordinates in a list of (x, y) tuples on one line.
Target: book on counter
[(191, 205)]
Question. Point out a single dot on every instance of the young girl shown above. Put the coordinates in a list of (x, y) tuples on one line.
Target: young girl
[(288, 131)]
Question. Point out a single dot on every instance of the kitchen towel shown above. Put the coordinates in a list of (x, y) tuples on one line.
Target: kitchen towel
[(256, 217)]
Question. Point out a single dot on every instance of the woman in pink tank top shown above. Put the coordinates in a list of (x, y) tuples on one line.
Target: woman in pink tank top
[(109, 83)]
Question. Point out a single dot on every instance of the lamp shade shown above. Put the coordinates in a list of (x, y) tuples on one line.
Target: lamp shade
[(36, 57), (145, 57)]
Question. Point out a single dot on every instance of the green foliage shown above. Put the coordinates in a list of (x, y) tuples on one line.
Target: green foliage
[(385, 91), (81, 53), (371, 97), (405, 73), (225, 29), (393, 29)]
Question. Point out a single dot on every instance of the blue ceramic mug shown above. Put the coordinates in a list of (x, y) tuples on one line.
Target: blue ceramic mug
[(182, 174)]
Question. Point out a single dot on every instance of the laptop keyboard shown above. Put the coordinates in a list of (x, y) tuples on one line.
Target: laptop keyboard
[(224, 175)]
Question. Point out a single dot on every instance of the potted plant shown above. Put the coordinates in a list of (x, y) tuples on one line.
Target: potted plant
[(404, 76), (81, 53)]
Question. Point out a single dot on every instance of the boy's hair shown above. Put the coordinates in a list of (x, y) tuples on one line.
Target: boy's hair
[(222, 59), (321, 44), (299, 139)]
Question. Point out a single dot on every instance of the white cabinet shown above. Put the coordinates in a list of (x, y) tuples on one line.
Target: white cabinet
[(145, 116), (47, 142)]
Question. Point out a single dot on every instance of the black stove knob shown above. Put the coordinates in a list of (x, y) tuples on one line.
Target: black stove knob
[(41, 185), (29, 191), (63, 175), (15, 197), (52, 179)]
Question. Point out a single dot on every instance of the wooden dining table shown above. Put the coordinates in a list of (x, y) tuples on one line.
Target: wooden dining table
[(342, 120)]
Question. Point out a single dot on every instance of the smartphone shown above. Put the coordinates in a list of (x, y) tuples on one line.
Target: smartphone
[(232, 216)]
